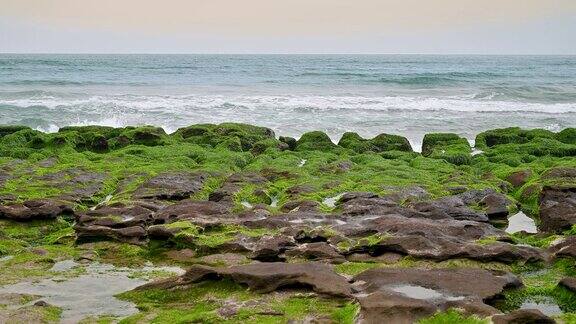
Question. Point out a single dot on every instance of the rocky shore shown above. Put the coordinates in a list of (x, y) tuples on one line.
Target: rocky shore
[(273, 229)]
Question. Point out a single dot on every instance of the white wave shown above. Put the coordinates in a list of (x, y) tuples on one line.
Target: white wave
[(288, 102)]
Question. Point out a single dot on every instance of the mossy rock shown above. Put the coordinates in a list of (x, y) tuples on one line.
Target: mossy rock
[(224, 134), (443, 141), (315, 141), (447, 146), (380, 143), (388, 142), (512, 135), (9, 129), (145, 135), (567, 136), (290, 141)]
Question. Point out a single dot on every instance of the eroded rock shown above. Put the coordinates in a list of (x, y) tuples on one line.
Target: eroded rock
[(35, 209), (266, 277)]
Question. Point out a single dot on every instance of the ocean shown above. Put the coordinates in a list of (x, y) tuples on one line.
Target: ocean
[(410, 95)]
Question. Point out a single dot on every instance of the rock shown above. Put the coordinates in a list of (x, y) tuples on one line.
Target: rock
[(197, 212), (410, 194), (266, 277), (78, 185), (35, 209), (120, 223), (497, 206), (358, 203), (519, 178), (184, 255), (290, 141), (564, 173), (271, 248), (441, 239), (234, 184), (383, 307), (319, 251), (116, 216), (387, 257), (170, 186), (557, 208), (523, 316), (313, 141), (133, 234), (564, 248), (301, 206), (449, 207), (299, 190), (404, 295), (41, 303), (224, 259), (568, 283)]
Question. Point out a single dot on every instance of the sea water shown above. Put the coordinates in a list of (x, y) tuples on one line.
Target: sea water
[(370, 94)]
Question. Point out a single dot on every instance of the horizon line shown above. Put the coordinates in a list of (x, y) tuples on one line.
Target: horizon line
[(283, 53)]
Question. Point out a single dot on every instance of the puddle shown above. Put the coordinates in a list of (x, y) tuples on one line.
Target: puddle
[(331, 201), (302, 162), (246, 204), (103, 202), (521, 222), (547, 305), (90, 294), (418, 292), (476, 151), (63, 266), (6, 258)]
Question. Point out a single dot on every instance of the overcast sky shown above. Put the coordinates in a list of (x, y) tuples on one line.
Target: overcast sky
[(289, 26)]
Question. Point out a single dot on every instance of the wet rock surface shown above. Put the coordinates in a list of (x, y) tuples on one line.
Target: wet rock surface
[(405, 295), (35, 210), (557, 208), (267, 277), (170, 186), (523, 316)]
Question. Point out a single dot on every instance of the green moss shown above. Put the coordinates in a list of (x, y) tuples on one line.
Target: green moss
[(452, 316), (380, 143), (315, 141), (354, 268), (191, 305)]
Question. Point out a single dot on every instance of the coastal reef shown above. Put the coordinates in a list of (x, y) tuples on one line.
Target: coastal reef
[(231, 223)]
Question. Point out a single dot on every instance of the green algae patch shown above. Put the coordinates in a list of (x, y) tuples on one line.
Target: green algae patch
[(453, 316), (228, 302), (378, 144)]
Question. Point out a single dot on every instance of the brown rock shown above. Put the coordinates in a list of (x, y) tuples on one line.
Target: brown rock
[(35, 209), (519, 178), (569, 283), (266, 277), (170, 186), (557, 208), (402, 295), (523, 316)]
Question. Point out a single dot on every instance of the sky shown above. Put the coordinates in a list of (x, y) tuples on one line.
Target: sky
[(289, 26)]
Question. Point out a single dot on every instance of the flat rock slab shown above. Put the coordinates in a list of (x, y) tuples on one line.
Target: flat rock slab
[(523, 316), (557, 208), (266, 277), (170, 186), (404, 295), (569, 283), (35, 209)]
